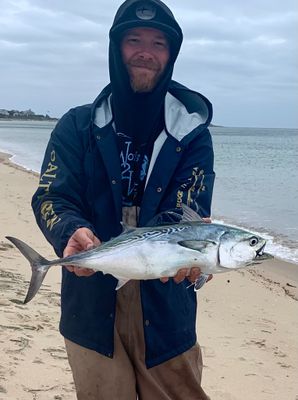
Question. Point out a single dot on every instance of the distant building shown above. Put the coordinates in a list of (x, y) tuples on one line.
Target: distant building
[(28, 113), (4, 113), (17, 113)]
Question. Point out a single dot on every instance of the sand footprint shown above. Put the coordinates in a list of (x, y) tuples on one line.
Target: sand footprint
[(57, 353), (5, 246)]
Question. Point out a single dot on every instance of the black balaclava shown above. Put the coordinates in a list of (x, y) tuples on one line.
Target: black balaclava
[(140, 115)]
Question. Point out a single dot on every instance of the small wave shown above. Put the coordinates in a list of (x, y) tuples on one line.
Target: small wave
[(15, 159)]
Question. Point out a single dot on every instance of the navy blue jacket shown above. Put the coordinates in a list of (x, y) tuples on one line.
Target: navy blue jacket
[(80, 186)]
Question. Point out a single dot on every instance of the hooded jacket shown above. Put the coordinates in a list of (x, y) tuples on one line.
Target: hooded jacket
[(80, 186)]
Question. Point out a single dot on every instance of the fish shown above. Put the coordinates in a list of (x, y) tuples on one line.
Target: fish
[(153, 252)]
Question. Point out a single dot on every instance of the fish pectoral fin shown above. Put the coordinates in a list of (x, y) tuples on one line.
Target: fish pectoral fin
[(121, 282), (199, 245)]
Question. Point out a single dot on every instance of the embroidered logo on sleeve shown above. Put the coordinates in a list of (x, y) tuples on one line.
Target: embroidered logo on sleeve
[(47, 207), (48, 214), (49, 175)]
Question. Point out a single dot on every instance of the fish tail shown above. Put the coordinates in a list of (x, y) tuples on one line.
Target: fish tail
[(39, 266)]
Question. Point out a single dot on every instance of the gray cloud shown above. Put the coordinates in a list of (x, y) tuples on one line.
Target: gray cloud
[(242, 56)]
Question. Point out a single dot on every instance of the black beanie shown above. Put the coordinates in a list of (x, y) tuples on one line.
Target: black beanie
[(147, 13)]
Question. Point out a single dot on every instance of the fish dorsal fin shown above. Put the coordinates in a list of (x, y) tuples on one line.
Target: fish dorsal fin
[(175, 216), (189, 215), (165, 218), (198, 245)]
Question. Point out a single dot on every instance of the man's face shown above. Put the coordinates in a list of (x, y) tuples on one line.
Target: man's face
[(145, 53)]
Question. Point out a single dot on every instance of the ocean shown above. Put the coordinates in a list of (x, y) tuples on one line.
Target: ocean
[(256, 176)]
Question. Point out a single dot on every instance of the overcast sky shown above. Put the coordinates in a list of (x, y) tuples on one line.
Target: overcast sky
[(242, 55)]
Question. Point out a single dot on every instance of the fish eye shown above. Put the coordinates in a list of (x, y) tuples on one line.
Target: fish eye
[(253, 241)]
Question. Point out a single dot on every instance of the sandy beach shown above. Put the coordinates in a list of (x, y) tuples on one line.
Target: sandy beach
[(247, 320)]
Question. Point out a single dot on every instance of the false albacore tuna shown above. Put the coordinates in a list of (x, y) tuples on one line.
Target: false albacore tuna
[(159, 251)]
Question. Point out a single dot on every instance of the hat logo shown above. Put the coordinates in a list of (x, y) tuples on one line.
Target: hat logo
[(145, 11)]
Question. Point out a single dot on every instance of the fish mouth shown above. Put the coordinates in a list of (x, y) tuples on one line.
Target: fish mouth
[(261, 255), (260, 251)]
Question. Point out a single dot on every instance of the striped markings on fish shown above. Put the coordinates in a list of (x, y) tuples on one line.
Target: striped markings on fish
[(159, 251)]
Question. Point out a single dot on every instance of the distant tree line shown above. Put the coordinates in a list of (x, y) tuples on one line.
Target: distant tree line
[(27, 114)]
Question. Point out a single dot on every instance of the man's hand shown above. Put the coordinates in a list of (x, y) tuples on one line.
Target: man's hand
[(82, 239)]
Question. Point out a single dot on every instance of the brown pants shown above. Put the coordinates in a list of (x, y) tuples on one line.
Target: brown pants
[(125, 377)]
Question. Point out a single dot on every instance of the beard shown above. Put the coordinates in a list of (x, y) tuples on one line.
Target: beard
[(143, 75), (143, 82)]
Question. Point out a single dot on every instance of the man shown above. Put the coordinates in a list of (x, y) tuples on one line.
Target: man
[(141, 148)]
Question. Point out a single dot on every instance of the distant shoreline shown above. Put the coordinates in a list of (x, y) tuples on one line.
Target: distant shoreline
[(29, 119), (57, 119)]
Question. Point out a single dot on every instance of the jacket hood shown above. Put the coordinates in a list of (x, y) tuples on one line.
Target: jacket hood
[(185, 111)]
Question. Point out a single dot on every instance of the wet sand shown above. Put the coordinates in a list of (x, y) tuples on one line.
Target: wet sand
[(247, 320)]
